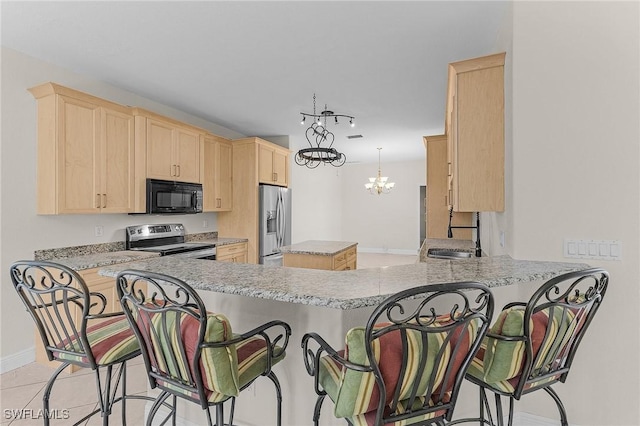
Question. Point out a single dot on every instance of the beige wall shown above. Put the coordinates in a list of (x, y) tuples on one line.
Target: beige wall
[(386, 222), (576, 158), (21, 230)]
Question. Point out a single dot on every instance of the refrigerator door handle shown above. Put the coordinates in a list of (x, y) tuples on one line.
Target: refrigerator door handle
[(284, 218), (278, 220)]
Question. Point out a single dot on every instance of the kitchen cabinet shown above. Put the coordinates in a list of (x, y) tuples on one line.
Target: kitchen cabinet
[(85, 153), (172, 148), (437, 193), (248, 156), (216, 170), (236, 253), (342, 260), (474, 125), (273, 164), (95, 283)]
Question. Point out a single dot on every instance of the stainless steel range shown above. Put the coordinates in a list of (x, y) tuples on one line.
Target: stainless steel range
[(168, 240)]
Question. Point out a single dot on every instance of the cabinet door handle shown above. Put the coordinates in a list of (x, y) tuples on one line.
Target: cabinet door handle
[(218, 203), (178, 166), (98, 201), (104, 206), (173, 170)]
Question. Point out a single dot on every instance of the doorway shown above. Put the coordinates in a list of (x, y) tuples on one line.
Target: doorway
[(423, 214)]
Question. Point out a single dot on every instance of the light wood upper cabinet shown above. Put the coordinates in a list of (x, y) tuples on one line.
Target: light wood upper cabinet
[(216, 169), (474, 125), (437, 193), (173, 151), (273, 164), (85, 153)]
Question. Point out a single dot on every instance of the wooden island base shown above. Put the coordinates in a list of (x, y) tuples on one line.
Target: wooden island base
[(326, 255)]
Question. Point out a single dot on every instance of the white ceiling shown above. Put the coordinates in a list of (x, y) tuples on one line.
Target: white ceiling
[(254, 66)]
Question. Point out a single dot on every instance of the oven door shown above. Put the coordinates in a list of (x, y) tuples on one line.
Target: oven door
[(166, 197)]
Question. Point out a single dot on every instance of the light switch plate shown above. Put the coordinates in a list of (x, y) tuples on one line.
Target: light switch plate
[(593, 249)]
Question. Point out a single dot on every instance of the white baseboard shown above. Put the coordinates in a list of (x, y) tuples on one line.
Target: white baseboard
[(527, 419), (181, 421), (389, 251), (17, 360)]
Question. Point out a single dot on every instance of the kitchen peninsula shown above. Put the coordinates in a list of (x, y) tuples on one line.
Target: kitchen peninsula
[(327, 255), (326, 302)]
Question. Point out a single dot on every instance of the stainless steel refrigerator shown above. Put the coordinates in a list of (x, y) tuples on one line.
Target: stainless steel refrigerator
[(275, 223)]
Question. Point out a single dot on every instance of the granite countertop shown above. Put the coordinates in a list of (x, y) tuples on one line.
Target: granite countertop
[(93, 256), (95, 260), (221, 241), (343, 290), (316, 247)]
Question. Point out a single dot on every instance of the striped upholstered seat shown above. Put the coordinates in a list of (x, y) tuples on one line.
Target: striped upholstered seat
[(225, 370), (531, 345), (194, 354), (355, 393), (110, 341), (77, 328), (499, 363), (407, 368)]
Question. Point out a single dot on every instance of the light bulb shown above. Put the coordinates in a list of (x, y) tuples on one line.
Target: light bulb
[(351, 123), (304, 117)]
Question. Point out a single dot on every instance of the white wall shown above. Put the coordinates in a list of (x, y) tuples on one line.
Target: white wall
[(576, 159), (316, 202), (387, 222), (22, 231)]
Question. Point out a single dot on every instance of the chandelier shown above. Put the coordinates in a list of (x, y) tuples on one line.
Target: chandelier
[(379, 185), (317, 135)]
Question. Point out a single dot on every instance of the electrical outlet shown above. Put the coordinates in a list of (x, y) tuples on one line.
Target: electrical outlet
[(205, 224), (501, 238), (99, 230)]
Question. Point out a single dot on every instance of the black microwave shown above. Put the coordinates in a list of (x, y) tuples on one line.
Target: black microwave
[(169, 197)]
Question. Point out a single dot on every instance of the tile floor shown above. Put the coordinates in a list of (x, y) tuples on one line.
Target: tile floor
[(22, 388)]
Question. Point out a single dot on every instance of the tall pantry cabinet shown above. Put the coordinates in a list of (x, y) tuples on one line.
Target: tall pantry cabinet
[(255, 161)]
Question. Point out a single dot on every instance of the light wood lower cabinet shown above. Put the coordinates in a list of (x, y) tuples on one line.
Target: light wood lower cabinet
[(236, 253), (97, 284), (345, 260)]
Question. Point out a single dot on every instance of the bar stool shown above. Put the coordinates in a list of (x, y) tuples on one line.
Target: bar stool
[(406, 366), (531, 346), (191, 353), (75, 330)]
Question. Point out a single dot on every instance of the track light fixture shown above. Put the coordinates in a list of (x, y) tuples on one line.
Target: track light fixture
[(317, 135)]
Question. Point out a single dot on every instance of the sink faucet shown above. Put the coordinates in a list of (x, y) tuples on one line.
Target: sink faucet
[(477, 228)]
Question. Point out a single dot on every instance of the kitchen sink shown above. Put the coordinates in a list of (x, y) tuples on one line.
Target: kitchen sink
[(447, 254)]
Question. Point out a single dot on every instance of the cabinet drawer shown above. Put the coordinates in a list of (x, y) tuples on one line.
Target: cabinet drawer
[(351, 253), (230, 249)]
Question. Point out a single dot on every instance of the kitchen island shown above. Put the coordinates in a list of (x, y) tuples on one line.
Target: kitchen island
[(329, 303), (327, 255)]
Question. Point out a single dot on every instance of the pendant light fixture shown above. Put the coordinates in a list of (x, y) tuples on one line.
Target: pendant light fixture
[(317, 135), (379, 185)]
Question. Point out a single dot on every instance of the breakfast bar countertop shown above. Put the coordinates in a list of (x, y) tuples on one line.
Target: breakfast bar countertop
[(317, 247), (343, 290)]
